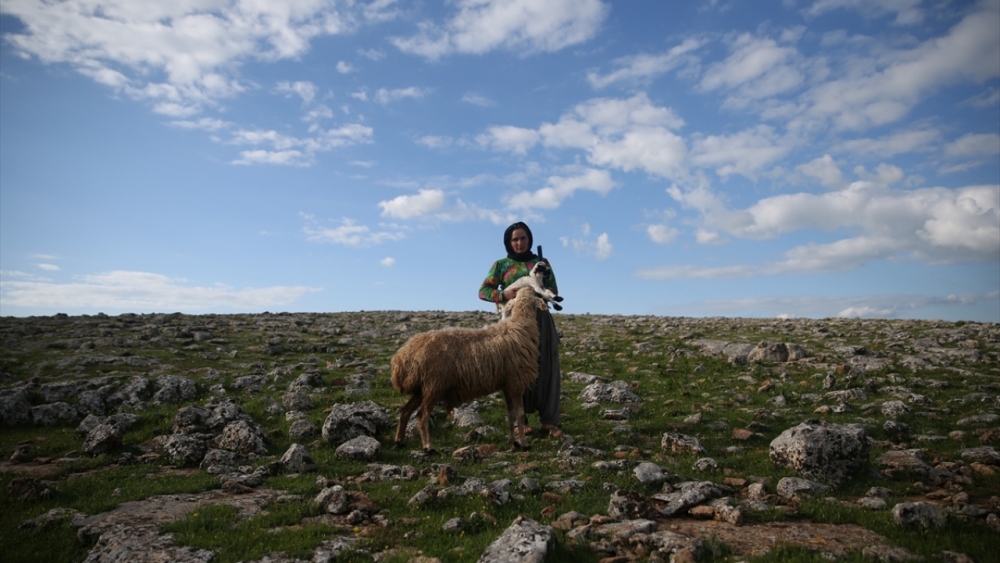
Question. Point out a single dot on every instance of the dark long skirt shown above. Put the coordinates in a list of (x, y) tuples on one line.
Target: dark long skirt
[(543, 397)]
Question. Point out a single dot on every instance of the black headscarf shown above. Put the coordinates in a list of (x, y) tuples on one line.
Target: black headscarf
[(524, 256)]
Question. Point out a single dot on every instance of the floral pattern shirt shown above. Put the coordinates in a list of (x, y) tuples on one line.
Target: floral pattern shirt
[(506, 271)]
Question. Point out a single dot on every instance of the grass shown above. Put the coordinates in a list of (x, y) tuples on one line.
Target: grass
[(653, 355)]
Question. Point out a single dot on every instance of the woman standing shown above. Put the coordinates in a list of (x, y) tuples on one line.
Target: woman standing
[(543, 398)]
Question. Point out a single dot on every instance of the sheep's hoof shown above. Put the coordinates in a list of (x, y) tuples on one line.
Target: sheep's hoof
[(430, 451), (557, 298), (557, 306), (399, 445)]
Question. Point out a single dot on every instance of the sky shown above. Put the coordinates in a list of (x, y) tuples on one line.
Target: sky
[(781, 159)]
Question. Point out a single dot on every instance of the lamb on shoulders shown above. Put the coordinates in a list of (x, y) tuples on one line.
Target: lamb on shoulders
[(535, 280)]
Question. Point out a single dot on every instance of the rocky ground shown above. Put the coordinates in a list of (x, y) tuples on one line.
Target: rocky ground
[(698, 438)]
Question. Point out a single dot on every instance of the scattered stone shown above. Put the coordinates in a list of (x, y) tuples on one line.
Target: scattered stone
[(525, 541), (362, 448), (921, 515), (822, 450)]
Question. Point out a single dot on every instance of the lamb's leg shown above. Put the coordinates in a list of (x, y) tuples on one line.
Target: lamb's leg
[(404, 418), (515, 420)]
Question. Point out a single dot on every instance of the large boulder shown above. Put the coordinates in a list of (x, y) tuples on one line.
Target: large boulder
[(243, 438), (525, 541), (348, 421), (821, 450)]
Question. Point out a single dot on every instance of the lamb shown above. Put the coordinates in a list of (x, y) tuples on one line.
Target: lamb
[(535, 280), (457, 365)]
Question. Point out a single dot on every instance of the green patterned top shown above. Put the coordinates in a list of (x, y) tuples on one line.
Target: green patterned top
[(506, 271)]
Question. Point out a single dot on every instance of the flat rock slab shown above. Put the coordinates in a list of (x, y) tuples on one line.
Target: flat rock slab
[(757, 539)]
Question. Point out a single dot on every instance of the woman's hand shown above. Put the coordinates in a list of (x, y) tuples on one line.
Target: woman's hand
[(509, 294)]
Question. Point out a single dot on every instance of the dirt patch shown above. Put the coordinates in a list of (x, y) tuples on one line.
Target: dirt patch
[(758, 539)]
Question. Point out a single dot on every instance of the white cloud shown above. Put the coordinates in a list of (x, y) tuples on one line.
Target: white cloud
[(303, 89), (204, 124), (408, 206), (974, 145), (143, 291), (434, 141), (911, 140), (825, 170), (558, 188), (388, 261), (48, 267), (372, 54), (661, 234), (907, 12), (759, 67), (880, 89), (523, 26), (296, 151), (348, 233), (384, 96), (643, 66), (194, 47), (477, 99), (508, 138), (344, 67), (742, 153)]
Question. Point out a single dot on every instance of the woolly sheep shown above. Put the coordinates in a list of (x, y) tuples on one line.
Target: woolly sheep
[(535, 280), (457, 365)]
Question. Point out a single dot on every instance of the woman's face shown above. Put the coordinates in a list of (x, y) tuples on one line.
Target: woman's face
[(519, 241)]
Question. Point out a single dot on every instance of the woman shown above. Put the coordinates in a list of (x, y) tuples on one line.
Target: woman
[(543, 398)]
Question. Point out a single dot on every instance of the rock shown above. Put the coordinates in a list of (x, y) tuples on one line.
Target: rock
[(302, 429), (15, 408), (690, 494), (681, 443), (333, 500), (792, 487), (895, 409), (613, 392), (243, 438), (306, 382), (983, 454), (896, 431), (362, 448), (910, 461), (54, 414), (348, 421), (525, 541), (173, 389), (705, 464), (889, 554), (628, 505), (466, 416), (28, 489), (218, 461), (297, 459), (921, 515), (768, 353), (184, 450), (821, 450), (649, 473), (103, 438), (297, 400)]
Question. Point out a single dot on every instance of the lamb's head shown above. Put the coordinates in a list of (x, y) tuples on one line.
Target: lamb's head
[(541, 269), (526, 303)]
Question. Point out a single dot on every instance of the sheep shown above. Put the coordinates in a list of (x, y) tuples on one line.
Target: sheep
[(457, 365), (534, 280)]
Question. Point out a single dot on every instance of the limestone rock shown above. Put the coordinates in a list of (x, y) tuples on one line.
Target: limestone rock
[(821, 450), (525, 541), (348, 421)]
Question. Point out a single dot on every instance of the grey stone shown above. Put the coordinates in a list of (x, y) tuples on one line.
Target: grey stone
[(895, 409), (613, 392), (921, 515), (792, 487), (821, 450), (173, 389), (333, 500), (348, 421), (184, 450), (243, 438), (15, 409), (705, 464), (54, 414), (626, 505), (297, 400), (364, 448), (103, 438), (649, 473), (302, 429), (983, 454), (307, 382), (681, 444), (297, 459), (912, 461), (691, 493), (525, 541), (768, 353)]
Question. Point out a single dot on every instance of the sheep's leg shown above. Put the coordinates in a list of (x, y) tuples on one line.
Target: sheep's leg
[(424, 422), (515, 420), (404, 418)]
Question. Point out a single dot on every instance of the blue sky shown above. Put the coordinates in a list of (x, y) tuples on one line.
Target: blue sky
[(754, 159)]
